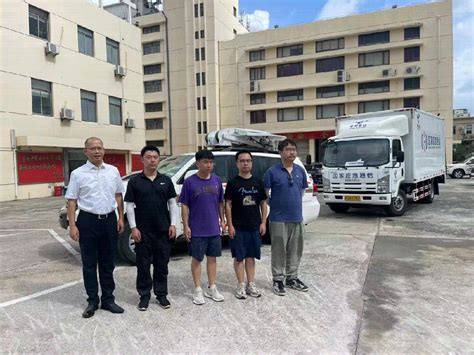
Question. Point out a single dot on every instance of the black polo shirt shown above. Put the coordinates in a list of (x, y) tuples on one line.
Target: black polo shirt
[(151, 201)]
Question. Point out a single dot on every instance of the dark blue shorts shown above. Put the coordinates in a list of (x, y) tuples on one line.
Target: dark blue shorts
[(209, 246), (246, 244)]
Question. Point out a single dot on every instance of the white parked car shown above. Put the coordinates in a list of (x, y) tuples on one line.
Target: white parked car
[(459, 170)]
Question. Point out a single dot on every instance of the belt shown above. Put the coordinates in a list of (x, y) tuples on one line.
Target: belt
[(98, 216)]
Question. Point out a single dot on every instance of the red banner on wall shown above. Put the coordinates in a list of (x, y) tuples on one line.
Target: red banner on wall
[(117, 160), (137, 164), (36, 168), (309, 135)]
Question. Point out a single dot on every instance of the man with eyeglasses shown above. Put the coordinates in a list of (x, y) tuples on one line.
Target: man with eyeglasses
[(246, 214), (287, 182)]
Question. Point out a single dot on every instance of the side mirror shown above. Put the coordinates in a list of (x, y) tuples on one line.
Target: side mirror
[(400, 156), (189, 173)]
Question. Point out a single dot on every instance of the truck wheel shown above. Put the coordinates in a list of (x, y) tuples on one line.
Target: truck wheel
[(398, 205), (458, 174), (430, 198), (126, 246), (339, 207)]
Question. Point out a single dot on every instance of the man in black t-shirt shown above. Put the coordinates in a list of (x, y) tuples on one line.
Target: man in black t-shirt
[(152, 214), (246, 214)]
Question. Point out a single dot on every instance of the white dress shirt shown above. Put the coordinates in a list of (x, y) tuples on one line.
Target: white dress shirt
[(95, 188)]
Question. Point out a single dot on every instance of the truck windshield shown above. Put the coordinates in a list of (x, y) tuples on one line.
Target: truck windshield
[(171, 165), (367, 152)]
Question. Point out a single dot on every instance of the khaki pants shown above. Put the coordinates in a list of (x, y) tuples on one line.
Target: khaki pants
[(287, 249)]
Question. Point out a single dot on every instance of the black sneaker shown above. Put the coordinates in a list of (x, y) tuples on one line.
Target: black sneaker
[(296, 284), (278, 288), (163, 302), (143, 304)]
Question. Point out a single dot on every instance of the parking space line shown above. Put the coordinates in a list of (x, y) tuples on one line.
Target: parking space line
[(65, 244)]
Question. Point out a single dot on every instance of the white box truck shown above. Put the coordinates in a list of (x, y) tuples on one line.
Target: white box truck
[(384, 158)]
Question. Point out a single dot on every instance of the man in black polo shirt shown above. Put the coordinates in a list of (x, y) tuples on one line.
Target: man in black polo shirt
[(152, 214)]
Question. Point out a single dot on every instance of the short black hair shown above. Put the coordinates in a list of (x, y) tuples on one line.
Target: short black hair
[(204, 154), (242, 151), (148, 148), (285, 143)]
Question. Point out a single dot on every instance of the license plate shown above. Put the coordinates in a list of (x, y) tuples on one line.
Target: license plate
[(352, 198)]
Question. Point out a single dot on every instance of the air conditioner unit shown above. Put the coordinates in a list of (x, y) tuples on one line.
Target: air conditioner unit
[(412, 70), (120, 71), (342, 76), (389, 72), (254, 85), (51, 49), (66, 114), (129, 123)]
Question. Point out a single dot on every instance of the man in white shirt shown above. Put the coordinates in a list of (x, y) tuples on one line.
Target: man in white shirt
[(96, 189)]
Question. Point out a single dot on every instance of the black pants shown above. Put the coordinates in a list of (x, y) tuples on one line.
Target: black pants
[(154, 248), (98, 242)]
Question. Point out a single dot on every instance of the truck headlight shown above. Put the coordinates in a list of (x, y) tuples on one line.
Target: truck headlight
[(326, 185), (383, 184)]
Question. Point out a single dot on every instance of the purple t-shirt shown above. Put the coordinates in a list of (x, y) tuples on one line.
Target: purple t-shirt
[(202, 196)]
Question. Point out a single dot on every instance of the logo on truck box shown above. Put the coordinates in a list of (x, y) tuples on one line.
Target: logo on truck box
[(429, 142), (359, 124)]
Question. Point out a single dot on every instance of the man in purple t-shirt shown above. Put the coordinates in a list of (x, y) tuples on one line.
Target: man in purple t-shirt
[(202, 206)]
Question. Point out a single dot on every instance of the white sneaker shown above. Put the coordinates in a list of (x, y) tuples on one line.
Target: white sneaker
[(212, 293), (240, 291), (198, 298), (252, 290)]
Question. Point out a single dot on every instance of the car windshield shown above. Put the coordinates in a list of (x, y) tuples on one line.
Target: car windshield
[(171, 165), (367, 152)]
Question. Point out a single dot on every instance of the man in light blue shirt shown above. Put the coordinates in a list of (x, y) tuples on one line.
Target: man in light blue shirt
[(96, 189), (287, 182)]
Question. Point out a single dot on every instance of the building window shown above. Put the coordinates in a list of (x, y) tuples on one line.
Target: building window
[(41, 97), (204, 127), (201, 9), (152, 86), (290, 95), (234, 11), (203, 53), (412, 33), (258, 116), (257, 55), (329, 111), (468, 129), (151, 47), (374, 38), (198, 103), (196, 34), (115, 110), (196, 10), (411, 83), (153, 123), (330, 44), (330, 91), (196, 54), (203, 78), (88, 106), (113, 52), (204, 103), (257, 73), (160, 143), (151, 69), (198, 79), (412, 54), (411, 102), (202, 33), (38, 22), (199, 127), (373, 106), (374, 58), (154, 107), (86, 41), (256, 99), (289, 69), (329, 64), (288, 51), (290, 114), (151, 29), (374, 87)]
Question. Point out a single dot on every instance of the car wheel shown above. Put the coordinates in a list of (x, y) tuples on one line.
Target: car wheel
[(126, 246), (458, 174), (339, 207), (430, 198), (398, 206)]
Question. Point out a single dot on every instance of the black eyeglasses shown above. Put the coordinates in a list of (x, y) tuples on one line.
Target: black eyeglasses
[(290, 180)]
